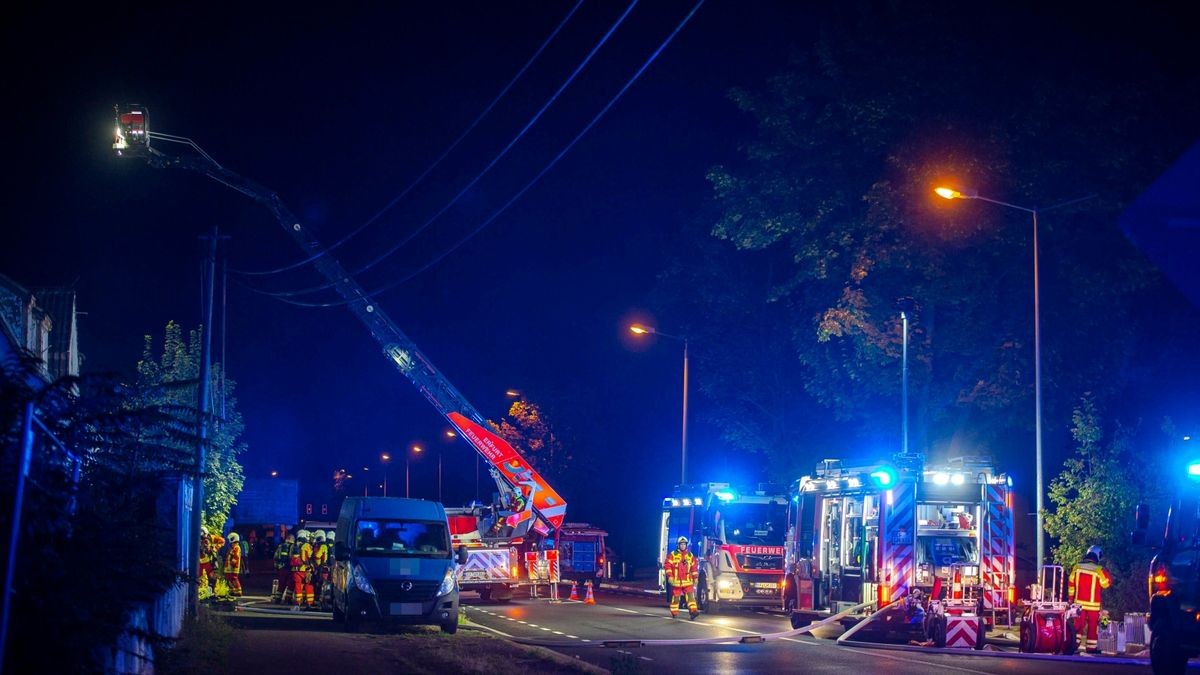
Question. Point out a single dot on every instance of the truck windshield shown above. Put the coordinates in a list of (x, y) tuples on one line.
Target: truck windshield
[(753, 524), (401, 538), (1185, 520)]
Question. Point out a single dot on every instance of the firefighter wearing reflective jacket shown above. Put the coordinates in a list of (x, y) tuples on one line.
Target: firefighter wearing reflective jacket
[(682, 572), (283, 570), (233, 565), (1085, 586), (302, 570)]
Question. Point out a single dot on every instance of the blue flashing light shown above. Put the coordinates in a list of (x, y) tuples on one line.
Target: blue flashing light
[(1193, 470), (883, 477), (726, 495)]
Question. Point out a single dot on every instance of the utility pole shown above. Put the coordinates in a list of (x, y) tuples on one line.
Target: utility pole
[(208, 284)]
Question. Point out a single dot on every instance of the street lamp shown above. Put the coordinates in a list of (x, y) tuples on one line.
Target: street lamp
[(906, 306), (950, 193), (385, 458), (407, 457), (640, 329)]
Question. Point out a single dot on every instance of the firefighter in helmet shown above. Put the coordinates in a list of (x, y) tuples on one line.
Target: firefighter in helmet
[(233, 565), (302, 571), (682, 573), (208, 555), (283, 570), (1086, 584)]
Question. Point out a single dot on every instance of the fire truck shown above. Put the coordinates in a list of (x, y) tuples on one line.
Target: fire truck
[(528, 509), (738, 537), (872, 533)]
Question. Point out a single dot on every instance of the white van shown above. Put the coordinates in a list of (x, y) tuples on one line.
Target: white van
[(392, 563)]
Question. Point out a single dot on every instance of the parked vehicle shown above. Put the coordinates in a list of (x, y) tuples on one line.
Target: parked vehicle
[(1174, 578), (393, 563)]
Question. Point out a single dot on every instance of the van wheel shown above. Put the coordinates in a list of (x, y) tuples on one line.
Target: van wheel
[(450, 627), (1166, 658)]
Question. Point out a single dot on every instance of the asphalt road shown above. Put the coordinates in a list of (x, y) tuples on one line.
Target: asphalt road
[(580, 631)]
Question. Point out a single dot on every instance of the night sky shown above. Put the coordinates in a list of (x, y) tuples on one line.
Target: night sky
[(339, 111)]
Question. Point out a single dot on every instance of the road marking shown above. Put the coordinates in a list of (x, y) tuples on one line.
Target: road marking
[(573, 637), (941, 666), (532, 625), (557, 632), (545, 629), (523, 622), (498, 632), (622, 609)]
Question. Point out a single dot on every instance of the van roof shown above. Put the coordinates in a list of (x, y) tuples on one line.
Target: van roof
[(396, 507)]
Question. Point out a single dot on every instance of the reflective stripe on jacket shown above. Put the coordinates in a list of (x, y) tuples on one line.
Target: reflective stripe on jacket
[(1088, 579), (681, 568)]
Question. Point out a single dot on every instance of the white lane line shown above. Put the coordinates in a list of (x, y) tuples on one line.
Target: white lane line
[(557, 632), (532, 625), (939, 666), (573, 637), (586, 640), (622, 609), (645, 658), (545, 629), (523, 622), (512, 619), (498, 632)]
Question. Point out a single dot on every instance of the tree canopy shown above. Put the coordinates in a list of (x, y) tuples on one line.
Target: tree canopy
[(829, 217), (168, 381)]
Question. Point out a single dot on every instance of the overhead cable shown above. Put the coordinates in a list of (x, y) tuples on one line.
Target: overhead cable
[(432, 165)]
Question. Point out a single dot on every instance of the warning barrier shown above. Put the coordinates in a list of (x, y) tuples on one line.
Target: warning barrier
[(963, 632)]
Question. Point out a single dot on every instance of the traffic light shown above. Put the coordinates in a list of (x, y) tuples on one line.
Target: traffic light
[(884, 476)]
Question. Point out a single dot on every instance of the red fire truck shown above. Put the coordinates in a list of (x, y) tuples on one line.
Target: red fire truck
[(874, 532), (738, 535)]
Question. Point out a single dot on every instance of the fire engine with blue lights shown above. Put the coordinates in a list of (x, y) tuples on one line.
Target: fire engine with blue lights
[(737, 534), (875, 533)]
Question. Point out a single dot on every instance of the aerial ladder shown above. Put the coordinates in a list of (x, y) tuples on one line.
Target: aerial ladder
[(544, 509)]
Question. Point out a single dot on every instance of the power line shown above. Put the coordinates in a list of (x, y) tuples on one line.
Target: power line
[(587, 59), (396, 282), (435, 162)]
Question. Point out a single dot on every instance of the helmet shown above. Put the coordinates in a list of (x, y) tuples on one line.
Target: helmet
[(681, 540), (233, 536), (1094, 553), (319, 536), (303, 534), (290, 537), (329, 535), (204, 530)]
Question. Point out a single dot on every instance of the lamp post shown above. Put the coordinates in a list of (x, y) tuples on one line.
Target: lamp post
[(385, 458), (639, 329), (416, 449), (950, 193), (906, 306)]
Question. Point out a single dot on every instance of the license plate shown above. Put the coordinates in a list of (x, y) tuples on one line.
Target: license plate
[(475, 575), (764, 591), (766, 585), (405, 608)]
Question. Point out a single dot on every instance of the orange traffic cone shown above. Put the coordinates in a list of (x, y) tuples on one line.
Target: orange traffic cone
[(589, 600), (574, 591)]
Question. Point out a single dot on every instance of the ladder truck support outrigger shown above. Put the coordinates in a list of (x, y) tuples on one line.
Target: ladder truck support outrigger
[(494, 557)]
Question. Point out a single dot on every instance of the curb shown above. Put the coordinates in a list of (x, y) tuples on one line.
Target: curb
[(1107, 660)]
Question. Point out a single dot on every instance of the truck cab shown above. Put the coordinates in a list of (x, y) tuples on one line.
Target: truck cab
[(1174, 579), (393, 563)]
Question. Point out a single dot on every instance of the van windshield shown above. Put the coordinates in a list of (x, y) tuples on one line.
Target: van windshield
[(401, 538)]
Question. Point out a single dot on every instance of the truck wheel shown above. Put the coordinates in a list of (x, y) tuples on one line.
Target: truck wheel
[(485, 593), (1166, 658), (702, 595), (450, 627)]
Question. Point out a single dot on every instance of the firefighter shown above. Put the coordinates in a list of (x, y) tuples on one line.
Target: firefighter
[(207, 555), (283, 570), (682, 573), (233, 565), (320, 565), (1085, 587), (301, 566)]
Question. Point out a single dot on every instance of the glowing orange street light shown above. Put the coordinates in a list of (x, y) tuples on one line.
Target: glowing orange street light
[(416, 449), (951, 193), (385, 458), (640, 329)]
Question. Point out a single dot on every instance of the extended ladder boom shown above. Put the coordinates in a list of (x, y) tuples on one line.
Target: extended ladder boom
[(509, 469)]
